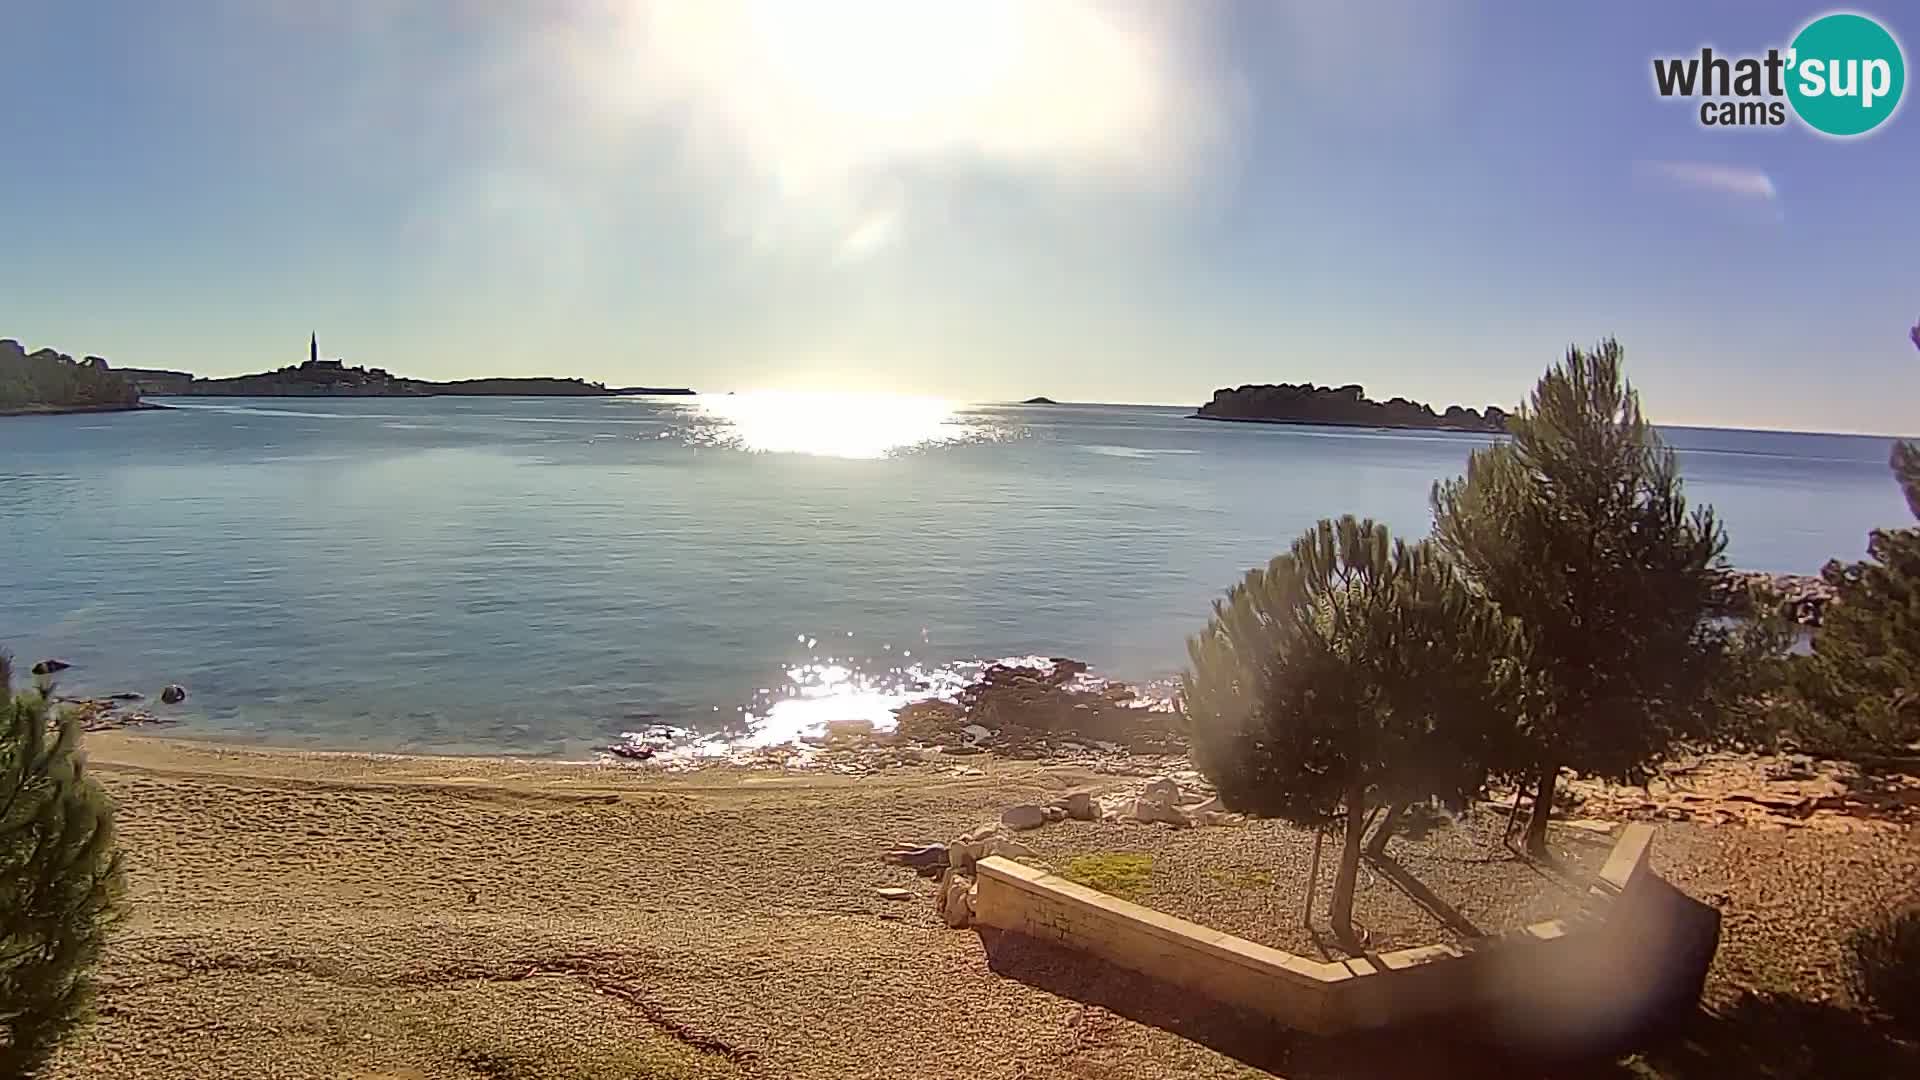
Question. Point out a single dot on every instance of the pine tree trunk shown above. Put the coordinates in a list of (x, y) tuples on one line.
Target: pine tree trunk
[(1377, 843), (1542, 809), (1343, 882)]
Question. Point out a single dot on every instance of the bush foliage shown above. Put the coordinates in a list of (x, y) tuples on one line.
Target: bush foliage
[(1886, 966), (1353, 671), (61, 881)]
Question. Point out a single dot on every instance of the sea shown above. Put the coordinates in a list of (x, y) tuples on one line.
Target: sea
[(544, 576)]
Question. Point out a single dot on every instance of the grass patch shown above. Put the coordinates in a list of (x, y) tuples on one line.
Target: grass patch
[(1116, 873)]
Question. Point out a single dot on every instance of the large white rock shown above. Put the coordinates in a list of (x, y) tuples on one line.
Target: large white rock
[(957, 905), (1164, 789), (1008, 848), (962, 854), (1024, 816)]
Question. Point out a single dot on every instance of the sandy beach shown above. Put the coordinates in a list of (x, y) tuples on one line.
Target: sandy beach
[(335, 915)]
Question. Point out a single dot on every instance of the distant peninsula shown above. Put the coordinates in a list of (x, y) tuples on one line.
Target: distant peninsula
[(47, 381), (1348, 405), (333, 378), (1039, 401)]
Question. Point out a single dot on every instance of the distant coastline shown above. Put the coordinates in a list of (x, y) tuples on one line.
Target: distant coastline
[(47, 382), (64, 410), (1342, 406), (332, 378), (1367, 424)]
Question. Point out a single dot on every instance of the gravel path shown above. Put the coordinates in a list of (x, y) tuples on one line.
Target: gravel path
[(1250, 879)]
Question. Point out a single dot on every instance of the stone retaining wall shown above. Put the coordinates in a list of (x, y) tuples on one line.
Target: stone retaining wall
[(1568, 978)]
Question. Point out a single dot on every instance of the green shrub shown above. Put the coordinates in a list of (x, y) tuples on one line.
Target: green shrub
[(60, 877), (1113, 872), (1886, 966)]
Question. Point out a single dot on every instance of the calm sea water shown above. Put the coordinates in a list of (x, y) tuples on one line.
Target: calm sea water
[(537, 576)]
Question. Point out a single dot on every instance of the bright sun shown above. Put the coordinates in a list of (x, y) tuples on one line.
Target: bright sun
[(884, 62)]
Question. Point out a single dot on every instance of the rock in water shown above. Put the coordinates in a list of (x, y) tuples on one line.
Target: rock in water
[(50, 667), (1024, 816), (174, 694)]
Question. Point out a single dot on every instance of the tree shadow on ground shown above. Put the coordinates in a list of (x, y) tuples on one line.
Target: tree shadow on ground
[(1254, 1040), (1765, 1037), (1772, 1037), (1417, 891)]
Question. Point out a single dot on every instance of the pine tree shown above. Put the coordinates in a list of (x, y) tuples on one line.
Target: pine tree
[(1578, 528), (1859, 690), (1350, 672), (1905, 459), (61, 881)]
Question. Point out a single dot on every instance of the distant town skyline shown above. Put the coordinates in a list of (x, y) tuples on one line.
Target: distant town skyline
[(1095, 200)]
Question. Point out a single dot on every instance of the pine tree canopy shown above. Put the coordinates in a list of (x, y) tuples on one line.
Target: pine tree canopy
[(61, 881)]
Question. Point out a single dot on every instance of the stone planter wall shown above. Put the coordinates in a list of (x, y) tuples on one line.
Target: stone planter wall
[(1570, 977)]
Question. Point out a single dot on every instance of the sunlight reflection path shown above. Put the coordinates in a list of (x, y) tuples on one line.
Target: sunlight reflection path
[(828, 424)]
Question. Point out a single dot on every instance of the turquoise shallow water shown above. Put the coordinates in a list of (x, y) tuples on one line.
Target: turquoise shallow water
[(539, 575)]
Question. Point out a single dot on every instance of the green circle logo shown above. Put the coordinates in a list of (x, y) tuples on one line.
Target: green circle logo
[(1845, 74)]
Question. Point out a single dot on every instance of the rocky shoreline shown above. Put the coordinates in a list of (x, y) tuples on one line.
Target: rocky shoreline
[(1040, 709), (1801, 598)]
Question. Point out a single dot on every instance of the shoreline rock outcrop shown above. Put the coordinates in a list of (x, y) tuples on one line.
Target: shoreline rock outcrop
[(1802, 598), (1026, 711)]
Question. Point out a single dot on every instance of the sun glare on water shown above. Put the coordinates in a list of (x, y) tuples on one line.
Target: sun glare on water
[(824, 424)]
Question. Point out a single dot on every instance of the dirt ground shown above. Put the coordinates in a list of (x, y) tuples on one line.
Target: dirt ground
[(1450, 882), (384, 917)]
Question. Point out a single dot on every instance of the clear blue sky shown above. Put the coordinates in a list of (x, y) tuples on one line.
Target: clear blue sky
[(1132, 201)]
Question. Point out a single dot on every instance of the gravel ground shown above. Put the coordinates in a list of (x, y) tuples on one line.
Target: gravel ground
[(1453, 883), (394, 918)]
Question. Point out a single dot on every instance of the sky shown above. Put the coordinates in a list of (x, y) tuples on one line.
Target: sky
[(1098, 200)]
